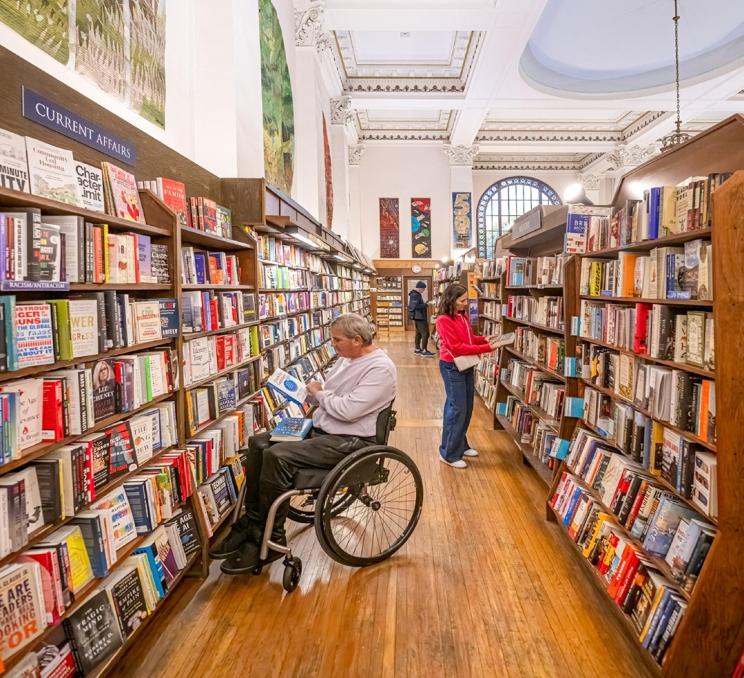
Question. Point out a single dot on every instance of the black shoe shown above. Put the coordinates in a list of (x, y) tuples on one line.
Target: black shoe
[(244, 560), (231, 544)]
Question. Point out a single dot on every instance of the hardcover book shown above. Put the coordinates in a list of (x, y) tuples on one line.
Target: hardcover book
[(128, 598), (159, 263), (188, 531), (22, 617), (93, 630), (13, 163), (291, 429), (173, 194), (123, 456), (104, 389), (142, 437), (83, 327), (169, 317), (147, 321), (52, 172), (123, 191)]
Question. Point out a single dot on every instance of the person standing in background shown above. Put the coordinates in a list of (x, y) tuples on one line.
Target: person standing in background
[(418, 312), (456, 338)]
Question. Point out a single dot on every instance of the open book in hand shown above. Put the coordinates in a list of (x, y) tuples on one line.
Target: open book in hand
[(465, 362), (288, 385)]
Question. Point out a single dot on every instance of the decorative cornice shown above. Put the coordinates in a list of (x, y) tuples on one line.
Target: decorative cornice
[(309, 24), (543, 136), (461, 155), (341, 112), (355, 154), (410, 86), (641, 123), (629, 156), (402, 135), (535, 163)]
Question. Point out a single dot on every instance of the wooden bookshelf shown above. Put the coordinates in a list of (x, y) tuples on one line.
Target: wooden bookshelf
[(709, 637)]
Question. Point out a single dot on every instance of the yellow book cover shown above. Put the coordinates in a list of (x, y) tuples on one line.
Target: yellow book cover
[(602, 518), (668, 224), (595, 279), (106, 274), (652, 612), (657, 444), (81, 572)]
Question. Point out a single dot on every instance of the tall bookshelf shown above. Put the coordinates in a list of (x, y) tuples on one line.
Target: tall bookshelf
[(388, 304), (708, 639), (490, 280), (536, 357)]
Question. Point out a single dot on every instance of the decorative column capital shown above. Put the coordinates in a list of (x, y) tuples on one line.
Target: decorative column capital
[(590, 182), (624, 156), (341, 111), (355, 154), (461, 155), (309, 24)]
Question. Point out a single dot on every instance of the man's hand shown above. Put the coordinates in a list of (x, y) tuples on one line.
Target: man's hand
[(314, 387)]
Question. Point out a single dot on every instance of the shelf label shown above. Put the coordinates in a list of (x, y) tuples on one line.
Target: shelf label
[(60, 119)]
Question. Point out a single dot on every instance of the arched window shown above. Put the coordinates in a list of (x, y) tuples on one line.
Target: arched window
[(503, 202)]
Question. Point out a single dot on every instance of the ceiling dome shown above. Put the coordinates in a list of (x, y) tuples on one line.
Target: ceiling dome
[(596, 48)]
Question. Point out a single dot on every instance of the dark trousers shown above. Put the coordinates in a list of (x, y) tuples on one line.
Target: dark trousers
[(422, 334), (458, 409), (271, 467)]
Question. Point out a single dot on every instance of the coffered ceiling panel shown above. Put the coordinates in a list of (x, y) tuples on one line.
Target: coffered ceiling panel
[(399, 125)]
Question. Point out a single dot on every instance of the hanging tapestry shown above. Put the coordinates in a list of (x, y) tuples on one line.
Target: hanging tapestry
[(462, 220), (328, 175), (389, 228), (421, 228)]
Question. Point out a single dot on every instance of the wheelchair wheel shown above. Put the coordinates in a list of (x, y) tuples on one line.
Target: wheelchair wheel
[(385, 494), (302, 507)]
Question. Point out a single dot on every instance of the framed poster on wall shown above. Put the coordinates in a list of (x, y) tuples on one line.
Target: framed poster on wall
[(389, 228), (421, 228)]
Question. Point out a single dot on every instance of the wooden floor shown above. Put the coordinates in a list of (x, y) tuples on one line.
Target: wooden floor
[(484, 587)]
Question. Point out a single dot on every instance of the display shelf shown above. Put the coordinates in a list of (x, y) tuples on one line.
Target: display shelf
[(625, 620), (206, 286), (535, 364), (200, 429), (221, 373), (686, 367), (288, 290), (120, 287), (195, 237), (543, 472), (544, 288), (62, 364), (697, 303), (688, 435), (537, 326), (677, 239), (188, 336), (540, 413)]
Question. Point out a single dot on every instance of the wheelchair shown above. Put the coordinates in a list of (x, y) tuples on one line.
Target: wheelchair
[(364, 509)]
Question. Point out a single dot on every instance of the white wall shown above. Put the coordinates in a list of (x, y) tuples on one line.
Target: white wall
[(405, 172)]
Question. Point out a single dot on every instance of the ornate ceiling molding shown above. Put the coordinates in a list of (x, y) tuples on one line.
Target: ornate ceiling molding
[(547, 135), (407, 78), (404, 136), (624, 156), (309, 24), (461, 155), (648, 118), (442, 123), (355, 154), (341, 112), (536, 163)]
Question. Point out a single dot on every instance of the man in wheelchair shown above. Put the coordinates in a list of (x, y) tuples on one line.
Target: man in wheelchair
[(361, 384)]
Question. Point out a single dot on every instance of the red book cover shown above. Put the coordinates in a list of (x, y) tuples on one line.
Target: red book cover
[(636, 504), (214, 270), (229, 350), (9, 249), (173, 194), (617, 578), (214, 312), (98, 272), (200, 212), (604, 564), (52, 414), (229, 272), (50, 580), (640, 342), (219, 348), (194, 223), (628, 576)]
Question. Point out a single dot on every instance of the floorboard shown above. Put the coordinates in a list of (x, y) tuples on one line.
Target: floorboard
[(484, 587)]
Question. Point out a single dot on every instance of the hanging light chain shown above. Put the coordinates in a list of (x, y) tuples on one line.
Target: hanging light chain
[(676, 61)]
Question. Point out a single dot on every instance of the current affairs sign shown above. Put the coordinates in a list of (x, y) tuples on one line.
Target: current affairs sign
[(58, 118)]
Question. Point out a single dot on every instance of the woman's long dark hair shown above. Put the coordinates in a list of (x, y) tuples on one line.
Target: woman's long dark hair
[(450, 296)]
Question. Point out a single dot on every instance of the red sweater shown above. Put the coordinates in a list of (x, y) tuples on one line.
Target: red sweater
[(456, 338)]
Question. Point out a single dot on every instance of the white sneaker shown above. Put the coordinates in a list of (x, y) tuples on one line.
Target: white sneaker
[(454, 464), (470, 453)]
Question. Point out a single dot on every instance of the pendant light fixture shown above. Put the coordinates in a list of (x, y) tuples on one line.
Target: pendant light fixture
[(678, 136)]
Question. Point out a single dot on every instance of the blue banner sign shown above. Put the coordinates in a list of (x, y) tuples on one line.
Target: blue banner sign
[(59, 119)]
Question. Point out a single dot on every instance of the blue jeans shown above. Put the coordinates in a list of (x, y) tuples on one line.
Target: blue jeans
[(458, 409)]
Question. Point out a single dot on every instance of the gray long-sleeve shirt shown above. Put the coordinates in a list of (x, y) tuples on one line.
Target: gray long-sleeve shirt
[(354, 393)]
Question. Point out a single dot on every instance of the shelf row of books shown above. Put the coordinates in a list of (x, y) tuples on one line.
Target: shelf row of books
[(60, 484), (536, 388), (545, 310), (651, 331), (208, 311), (486, 379), (136, 525), (493, 309), (389, 302), (43, 248), (201, 267), (534, 271), (544, 350), (72, 401), (45, 332), (272, 251), (278, 304), (491, 270), (534, 436), (682, 273), (664, 211), (208, 356), (646, 544), (286, 353), (283, 278)]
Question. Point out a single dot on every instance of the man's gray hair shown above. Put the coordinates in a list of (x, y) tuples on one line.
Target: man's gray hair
[(354, 325)]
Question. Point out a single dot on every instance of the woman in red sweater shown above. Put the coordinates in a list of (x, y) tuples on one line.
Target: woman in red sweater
[(456, 338)]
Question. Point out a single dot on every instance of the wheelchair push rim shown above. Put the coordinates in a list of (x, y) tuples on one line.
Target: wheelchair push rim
[(386, 494), (302, 507)]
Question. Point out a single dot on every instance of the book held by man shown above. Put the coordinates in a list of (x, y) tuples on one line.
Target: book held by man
[(291, 429)]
